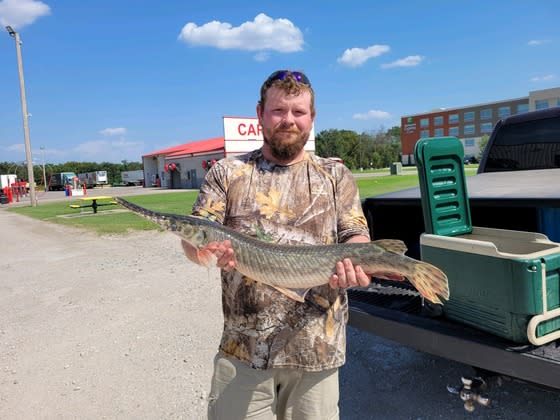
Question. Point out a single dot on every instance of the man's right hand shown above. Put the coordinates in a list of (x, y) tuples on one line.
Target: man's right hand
[(219, 252)]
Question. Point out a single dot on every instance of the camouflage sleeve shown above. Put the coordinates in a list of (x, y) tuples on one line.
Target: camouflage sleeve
[(211, 200), (351, 219)]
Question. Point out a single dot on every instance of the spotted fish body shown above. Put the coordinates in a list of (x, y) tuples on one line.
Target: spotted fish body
[(302, 266)]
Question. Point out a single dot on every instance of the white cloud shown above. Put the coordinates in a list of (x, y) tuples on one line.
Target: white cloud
[(261, 56), (372, 115), (113, 131), (263, 33), (93, 147), (104, 150), (536, 42), (410, 61), (20, 13), (107, 151), (354, 57), (17, 147), (545, 78)]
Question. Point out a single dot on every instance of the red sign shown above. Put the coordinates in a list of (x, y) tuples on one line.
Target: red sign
[(245, 129)]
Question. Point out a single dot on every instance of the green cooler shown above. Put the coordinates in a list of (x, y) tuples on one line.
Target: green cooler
[(501, 281)]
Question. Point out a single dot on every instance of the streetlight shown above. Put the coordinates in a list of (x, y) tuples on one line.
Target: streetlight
[(30, 176), (44, 173)]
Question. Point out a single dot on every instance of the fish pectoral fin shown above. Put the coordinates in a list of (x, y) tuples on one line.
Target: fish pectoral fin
[(206, 258), (295, 294)]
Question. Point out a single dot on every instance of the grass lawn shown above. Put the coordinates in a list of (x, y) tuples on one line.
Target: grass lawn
[(372, 186), (107, 221)]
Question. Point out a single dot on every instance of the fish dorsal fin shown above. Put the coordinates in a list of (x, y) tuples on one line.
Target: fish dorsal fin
[(392, 245)]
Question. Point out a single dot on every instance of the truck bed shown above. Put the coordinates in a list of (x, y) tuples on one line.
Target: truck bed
[(521, 187), (520, 200), (401, 319)]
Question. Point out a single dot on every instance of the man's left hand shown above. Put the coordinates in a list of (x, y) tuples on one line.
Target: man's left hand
[(348, 275)]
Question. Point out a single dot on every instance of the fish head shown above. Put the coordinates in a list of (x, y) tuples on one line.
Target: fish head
[(191, 233)]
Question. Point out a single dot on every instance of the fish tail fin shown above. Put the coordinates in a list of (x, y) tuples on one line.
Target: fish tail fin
[(430, 282)]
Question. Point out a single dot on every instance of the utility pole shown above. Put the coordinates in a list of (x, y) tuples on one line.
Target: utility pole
[(44, 173), (30, 176)]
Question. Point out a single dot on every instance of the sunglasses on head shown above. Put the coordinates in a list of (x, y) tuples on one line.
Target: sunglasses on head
[(284, 74)]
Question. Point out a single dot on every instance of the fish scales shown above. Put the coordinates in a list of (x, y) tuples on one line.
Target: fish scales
[(302, 266)]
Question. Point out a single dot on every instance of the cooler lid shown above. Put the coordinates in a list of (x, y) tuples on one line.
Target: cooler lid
[(443, 187)]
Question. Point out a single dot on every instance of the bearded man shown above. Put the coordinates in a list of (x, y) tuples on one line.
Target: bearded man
[(279, 357)]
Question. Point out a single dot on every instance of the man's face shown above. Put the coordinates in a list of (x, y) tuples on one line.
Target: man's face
[(287, 121)]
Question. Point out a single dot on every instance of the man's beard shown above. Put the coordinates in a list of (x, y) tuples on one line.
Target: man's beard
[(286, 149)]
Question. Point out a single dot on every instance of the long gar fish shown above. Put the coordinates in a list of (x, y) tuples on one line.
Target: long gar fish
[(300, 267)]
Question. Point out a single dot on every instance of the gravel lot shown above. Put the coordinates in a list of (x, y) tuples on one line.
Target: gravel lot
[(125, 327)]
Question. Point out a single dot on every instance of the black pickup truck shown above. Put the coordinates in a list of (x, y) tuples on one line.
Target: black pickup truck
[(517, 187)]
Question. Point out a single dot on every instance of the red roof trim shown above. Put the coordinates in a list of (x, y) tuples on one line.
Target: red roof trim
[(207, 145)]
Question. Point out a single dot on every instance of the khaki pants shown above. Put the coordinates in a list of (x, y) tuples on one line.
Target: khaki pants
[(239, 392)]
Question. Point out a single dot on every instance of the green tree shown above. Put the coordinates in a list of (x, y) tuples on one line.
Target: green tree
[(364, 150), (113, 169), (482, 145), (338, 143)]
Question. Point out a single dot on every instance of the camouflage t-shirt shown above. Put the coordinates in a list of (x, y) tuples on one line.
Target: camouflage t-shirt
[(314, 201)]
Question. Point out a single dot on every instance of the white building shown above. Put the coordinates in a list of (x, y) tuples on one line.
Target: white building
[(185, 165)]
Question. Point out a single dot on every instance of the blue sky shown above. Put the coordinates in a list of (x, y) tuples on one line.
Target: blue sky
[(110, 80)]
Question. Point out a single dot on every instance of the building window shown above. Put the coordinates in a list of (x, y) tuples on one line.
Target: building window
[(438, 120), (504, 111), (469, 142), (468, 129), (521, 108), (486, 127), (454, 131), (453, 118), (543, 104), (424, 134), (438, 132), (486, 114), (424, 122), (469, 116)]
